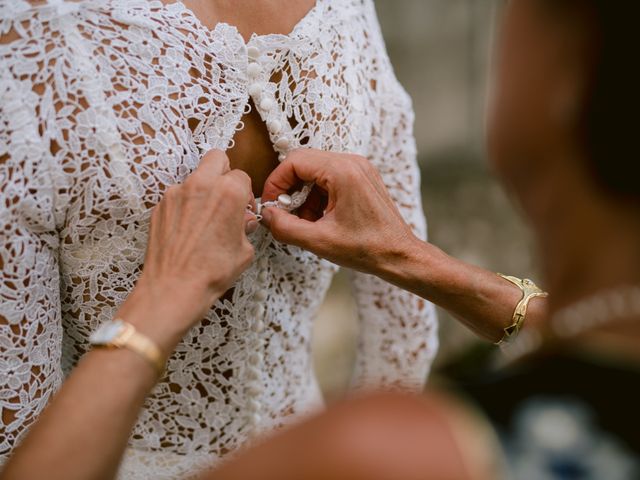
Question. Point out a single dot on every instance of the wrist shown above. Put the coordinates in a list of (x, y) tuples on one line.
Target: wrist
[(417, 266), (401, 261), (164, 315)]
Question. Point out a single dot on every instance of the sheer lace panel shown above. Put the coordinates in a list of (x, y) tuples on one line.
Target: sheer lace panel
[(105, 103)]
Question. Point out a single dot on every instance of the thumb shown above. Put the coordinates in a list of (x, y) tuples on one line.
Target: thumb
[(288, 228)]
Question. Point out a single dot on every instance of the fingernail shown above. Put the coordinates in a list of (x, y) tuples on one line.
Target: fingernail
[(266, 216), (252, 226)]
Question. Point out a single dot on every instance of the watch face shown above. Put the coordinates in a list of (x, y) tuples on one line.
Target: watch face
[(106, 333)]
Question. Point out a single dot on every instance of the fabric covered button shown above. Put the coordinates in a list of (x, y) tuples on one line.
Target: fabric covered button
[(255, 89), (266, 104), (258, 327), (261, 295), (263, 262), (263, 277), (254, 390), (255, 359), (285, 200), (283, 143), (254, 405), (258, 311), (255, 420), (274, 126), (253, 52), (254, 70)]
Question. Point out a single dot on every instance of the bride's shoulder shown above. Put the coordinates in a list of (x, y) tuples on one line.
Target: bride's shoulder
[(14, 9), (360, 7), (362, 11), (13, 12), (35, 20)]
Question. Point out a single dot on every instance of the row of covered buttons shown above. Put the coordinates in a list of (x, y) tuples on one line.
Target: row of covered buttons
[(264, 101), (256, 358)]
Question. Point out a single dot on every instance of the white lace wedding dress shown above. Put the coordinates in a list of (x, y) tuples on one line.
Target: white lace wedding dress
[(105, 103)]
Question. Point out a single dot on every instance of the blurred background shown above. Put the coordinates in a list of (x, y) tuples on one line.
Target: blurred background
[(441, 51)]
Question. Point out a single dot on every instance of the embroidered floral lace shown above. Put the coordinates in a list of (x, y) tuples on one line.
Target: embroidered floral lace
[(106, 103)]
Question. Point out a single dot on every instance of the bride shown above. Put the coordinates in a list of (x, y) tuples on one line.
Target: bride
[(104, 104)]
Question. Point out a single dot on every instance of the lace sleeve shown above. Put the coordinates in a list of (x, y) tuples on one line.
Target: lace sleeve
[(30, 319), (398, 330)]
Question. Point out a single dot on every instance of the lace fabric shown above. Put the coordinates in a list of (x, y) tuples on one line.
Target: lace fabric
[(106, 103)]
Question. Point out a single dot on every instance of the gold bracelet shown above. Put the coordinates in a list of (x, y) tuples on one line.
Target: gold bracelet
[(121, 334), (529, 290)]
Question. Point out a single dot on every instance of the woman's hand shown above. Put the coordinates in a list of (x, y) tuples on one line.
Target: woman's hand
[(197, 249), (349, 218)]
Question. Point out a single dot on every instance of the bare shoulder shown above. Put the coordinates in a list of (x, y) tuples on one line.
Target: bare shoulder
[(470, 430), (376, 437), (435, 433)]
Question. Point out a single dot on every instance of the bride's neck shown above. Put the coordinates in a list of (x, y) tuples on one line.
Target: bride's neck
[(249, 16)]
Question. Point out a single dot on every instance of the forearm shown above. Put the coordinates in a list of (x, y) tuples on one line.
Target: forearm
[(479, 298), (83, 433), (197, 249)]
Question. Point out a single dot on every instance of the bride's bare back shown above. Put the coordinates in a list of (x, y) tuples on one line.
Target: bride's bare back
[(253, 150)]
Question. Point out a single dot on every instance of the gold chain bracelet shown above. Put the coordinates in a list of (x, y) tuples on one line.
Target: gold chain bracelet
[(529, 290)]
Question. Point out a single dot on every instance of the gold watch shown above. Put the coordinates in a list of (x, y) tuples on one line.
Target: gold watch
[(120, 334), (529, 291)]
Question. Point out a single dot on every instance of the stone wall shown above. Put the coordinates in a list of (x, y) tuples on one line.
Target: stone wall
[(440, 50)]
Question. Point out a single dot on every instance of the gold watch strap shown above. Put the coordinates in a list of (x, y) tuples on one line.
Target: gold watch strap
[(133, 340), (529, 291)]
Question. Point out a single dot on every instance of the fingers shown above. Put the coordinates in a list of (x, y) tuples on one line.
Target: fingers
[(288, 228), (250, 218), (251, 223), (240, 186), (315, 205), (214, 162), (237, 189), (214, 179), (252, 203), (304, 165)]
